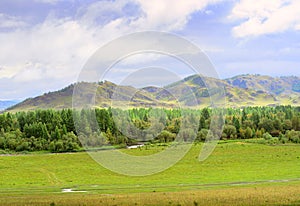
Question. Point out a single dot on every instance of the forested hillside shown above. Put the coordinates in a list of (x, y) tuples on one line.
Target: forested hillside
[(55, 131)]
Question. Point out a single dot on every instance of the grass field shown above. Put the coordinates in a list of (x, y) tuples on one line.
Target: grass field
[(236, 173)]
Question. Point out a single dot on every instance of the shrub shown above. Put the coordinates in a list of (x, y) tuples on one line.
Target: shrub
[(284, 140), (229, 132), (24, 146), (52, 146), (293, 136), (59, 146), (187, 135), (2, 143), (202, 134), (166, 136), (267, 136), (273, 140)]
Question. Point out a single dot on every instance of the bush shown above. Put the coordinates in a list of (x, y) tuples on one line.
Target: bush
[(248, 133), (59, 146), (273, 140), (52, 146), (293, 136), (166, 136), (22, 147), (12, 144), (2, 143), (187, 135), (267, 136), (295, 139), (229, 132), (72, 146), (284, 140), (201, 135)]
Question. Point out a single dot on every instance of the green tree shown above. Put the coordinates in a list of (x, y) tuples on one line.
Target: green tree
[(287, 125), (202, 134), (248, 133), (166, 136), (229, 132)]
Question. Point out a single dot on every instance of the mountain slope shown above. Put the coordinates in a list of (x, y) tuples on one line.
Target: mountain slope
[(105, 93), (235, 96), (242, 90), (279, 85), (284, 90)]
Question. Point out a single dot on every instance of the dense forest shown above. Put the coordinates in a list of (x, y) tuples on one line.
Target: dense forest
[(55, 131)]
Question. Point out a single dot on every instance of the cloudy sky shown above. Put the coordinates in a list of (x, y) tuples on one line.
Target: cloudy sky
[(45, 43)]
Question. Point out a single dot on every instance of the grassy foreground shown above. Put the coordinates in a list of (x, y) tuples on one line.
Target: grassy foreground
[(236, 173), (263, 195)]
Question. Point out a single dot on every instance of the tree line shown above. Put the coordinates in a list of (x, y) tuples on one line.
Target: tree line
[(56, 131)]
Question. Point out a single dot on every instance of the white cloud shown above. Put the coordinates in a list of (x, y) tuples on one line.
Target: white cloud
[(10, 22), (49, 45), (57, 48), (167, 15), (10, 71), (265, 17), (101, 13)]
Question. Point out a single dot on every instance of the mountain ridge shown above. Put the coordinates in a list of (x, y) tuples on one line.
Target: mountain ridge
[(7, 103), (240, 91)]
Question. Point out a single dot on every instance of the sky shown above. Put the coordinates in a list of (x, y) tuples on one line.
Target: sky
[(44, 44)]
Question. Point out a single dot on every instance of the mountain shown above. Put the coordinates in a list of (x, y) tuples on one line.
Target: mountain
[(279, 85), (284, 90), (242, 90), (7, 104), (104, 94)]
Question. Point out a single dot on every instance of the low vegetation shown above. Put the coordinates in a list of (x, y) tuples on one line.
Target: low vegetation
[(266, 195)]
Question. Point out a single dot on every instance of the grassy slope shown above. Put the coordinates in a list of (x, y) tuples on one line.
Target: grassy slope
[(243, 90), (264, 195), (47, 174)]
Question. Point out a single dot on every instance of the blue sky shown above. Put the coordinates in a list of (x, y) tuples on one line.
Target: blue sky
[(45, 43)]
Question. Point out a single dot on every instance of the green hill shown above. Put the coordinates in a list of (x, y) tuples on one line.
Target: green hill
[(240, 91)]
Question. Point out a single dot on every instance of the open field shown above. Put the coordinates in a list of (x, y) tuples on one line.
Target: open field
[(262, 195), (235, 173)]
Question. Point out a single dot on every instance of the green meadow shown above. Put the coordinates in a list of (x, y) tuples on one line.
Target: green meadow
[(235, 170)]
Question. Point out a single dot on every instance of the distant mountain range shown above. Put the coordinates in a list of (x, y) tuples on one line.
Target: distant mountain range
[(7, 104), (240, 91)]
